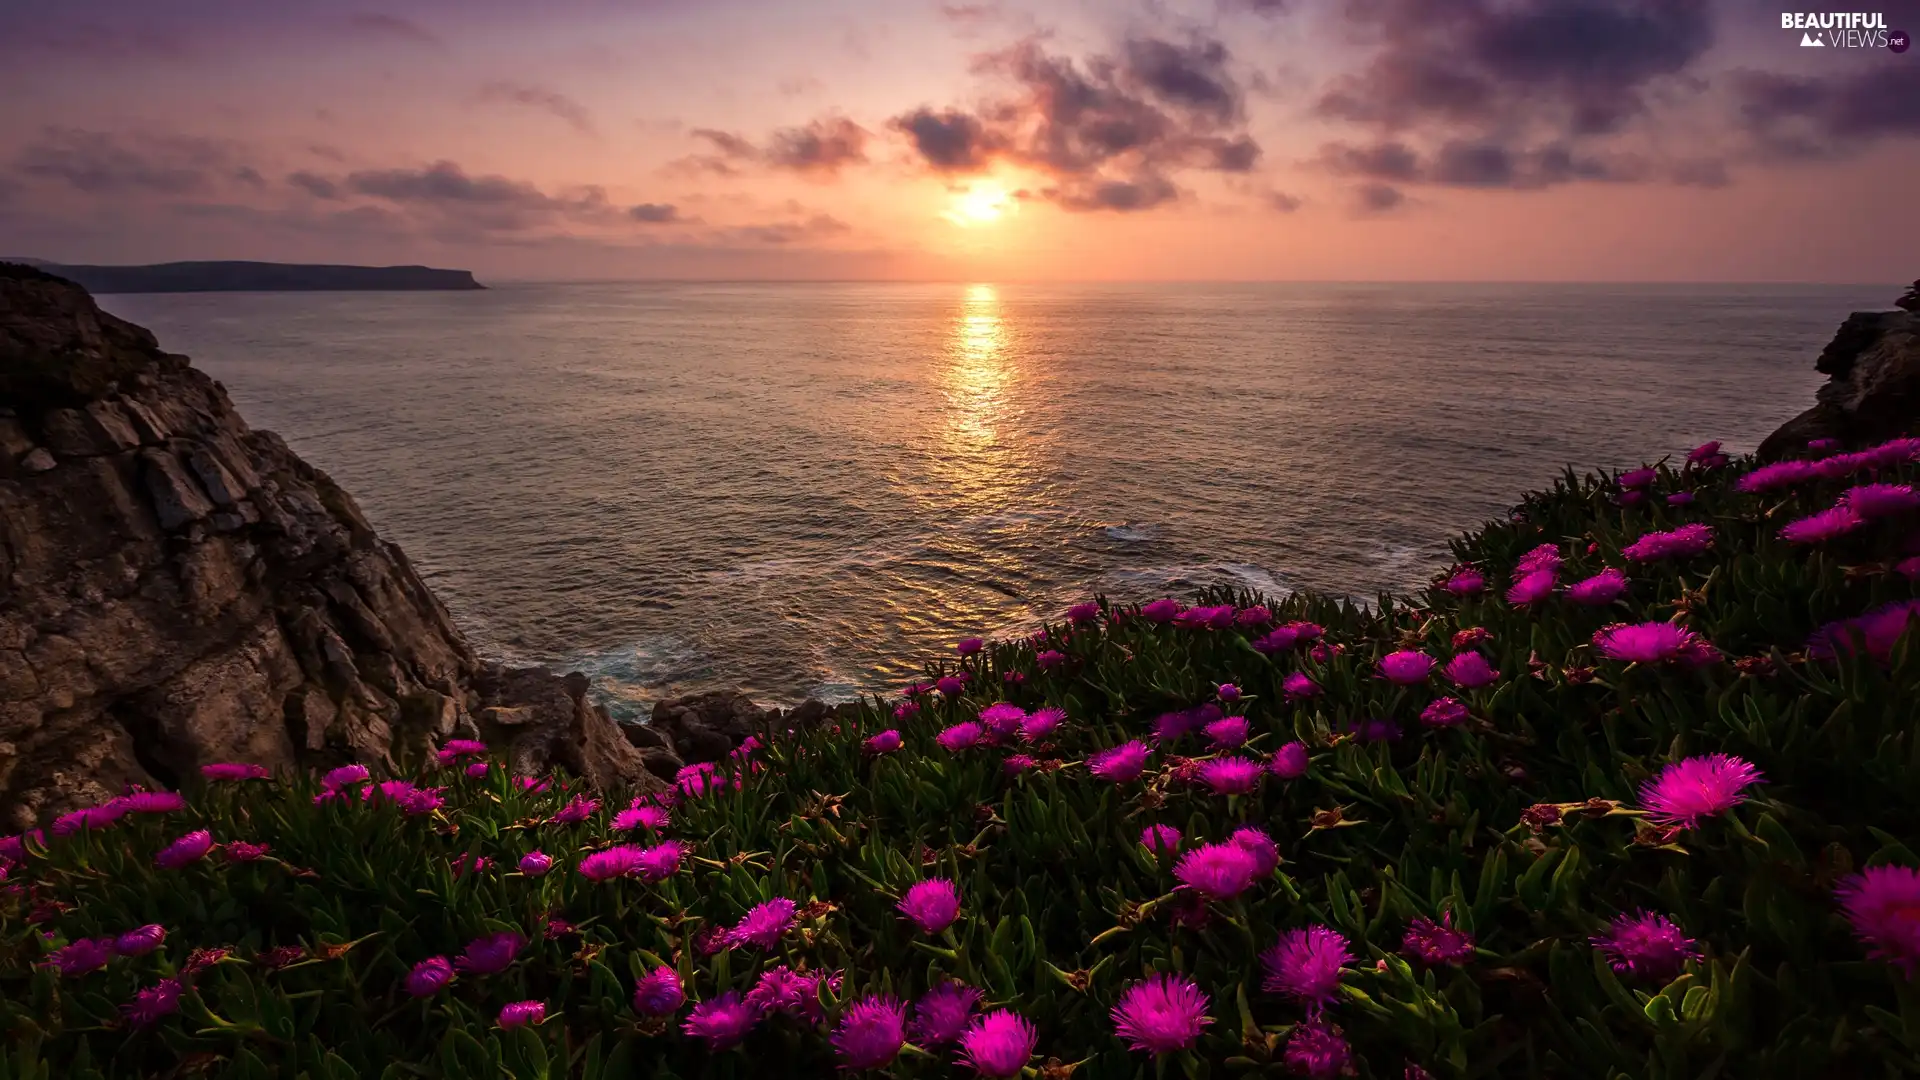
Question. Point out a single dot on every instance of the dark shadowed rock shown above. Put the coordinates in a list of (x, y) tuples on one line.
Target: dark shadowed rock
[(178, 589), (707, 727), (1872, 391)]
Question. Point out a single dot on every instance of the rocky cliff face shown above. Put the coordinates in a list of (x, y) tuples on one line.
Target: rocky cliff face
[(177, 589), (1873, 382)]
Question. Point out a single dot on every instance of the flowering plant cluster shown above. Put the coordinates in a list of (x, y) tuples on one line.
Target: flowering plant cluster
[(1632, 790)]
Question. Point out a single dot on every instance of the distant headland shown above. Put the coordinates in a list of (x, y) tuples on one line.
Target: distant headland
[(179, 277)]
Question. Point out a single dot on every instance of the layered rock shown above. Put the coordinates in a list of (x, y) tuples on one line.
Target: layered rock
[(177, 589), (1873, 382), (708, 727)]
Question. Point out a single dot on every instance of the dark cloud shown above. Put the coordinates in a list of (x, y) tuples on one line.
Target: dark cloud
[(1829, 116), (655, 213), (100, 163), (1482, 162), (1282, 203), (544, 98), (1377, 198), (1112, 131), (379, 25), (966, 13), (314, 184), (1258, 7), (821, 148), (449, 197), (786, 232), (42, 35)]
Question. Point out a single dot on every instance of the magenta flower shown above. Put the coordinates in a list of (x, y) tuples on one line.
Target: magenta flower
[(1777, 475), (93, 817), (1443, 713), (1683, 542), (1680, 498), (1647, 945), (335, 779), (886, 742), (1470, 671), (1041, 724), (1531, 588), (1003, 717), (1290, 761), (722, 1022), (1828, 524), (1160, 839), (1466, 583), (1279, 640), (1170, 726), (455, 749), (233, 771), (960, 736), (429, 977), (490, 954), (1228, 732), (1162, 610), (1639, 478), (1317, 1050), (659, 992), (1438, 943), (1120, 763), (1305, 965), (1084, 612), (578, 809), (141, 940), (1228, 693), (522, 1013), (641, 817), (1881, 500), (242, 851), (188, 849), (942, 1014), (1544, 557), (152, 802), (1299, 685), (535, 863), (932, 904), (534, 785), (1231, 775), (1048, 659), (477, 770), (763, 926), (621, 860), (950, 685), (698, 779), (870, 1032), (969, 646), (1602, 588), (784, 990), (1877, 632), (1643, 643), (156, 1001), (1257, 615), (1406, 667), (81, 957), (661, 861), (1704, 452), (998, 1044), (1218, 871), (1160, 1014), (1883, 904), (1698, 787), (1255, 842)]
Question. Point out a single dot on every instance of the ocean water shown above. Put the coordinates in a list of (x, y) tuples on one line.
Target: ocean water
[(811, 489)]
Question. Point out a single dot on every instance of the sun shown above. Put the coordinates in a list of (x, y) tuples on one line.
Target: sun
[(980, 204)]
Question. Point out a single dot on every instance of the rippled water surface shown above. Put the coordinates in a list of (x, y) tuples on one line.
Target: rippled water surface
[(812, 488)]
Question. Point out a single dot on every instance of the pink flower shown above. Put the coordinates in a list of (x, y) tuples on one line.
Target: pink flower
[(477, 770), (188, 849), (232, 771), (763, 926), (1883, 904), (82, 957), (1231, 775), (1876, 632), (1290, 761), (950, 686), (578, 809), (1306, 964), (1218, 871), (1470, 671), (905, 711), (491, 954), (522, 1013), (1317, 1050), (1639, 478), (1160, 839), (942, 1013), (1683, 542), (1466, 583), (156, 1001), (641, 817), (1160, 611), (455, 749), (1643, 643), (1602, 588), (1048, 659), (1407, 667), (1003, 717), (140, 941), (659, 992), (998, 1044), (661, 861), (241, 851), (969, 646), (429, 977), (1437, 943), (932, 904), (1161, 1014), (1257, 615), (1170, 726), (784, 990), (1647, 945), (1299, 685), (1444, 712), (1703, 453), (1041, 724), (1828, 524), (1256, 843), (1228, 732), (1680, 498), (1777, 475), (870, 1032), (960, 736), (535, 863), (722, 1022), (1533, 587), (1544, 557), (1698, 787), (335, 779), (1084, 612), (1120, 764)]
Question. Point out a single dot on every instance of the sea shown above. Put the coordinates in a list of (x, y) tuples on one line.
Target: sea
[(814, 489)]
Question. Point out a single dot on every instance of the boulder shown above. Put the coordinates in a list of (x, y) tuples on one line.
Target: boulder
[(178, 589), (709, 726), (1872, 391)]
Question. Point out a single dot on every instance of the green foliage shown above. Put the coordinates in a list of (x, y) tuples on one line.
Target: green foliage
[(1062, 908)]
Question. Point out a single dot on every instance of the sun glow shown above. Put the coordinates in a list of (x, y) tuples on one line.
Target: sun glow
[(980, 204)]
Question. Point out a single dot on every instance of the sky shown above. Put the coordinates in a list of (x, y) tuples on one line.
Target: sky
[(1076, 140)]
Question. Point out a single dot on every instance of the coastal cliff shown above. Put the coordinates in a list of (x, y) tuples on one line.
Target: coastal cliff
[(261, 277), (1873, 381), (178, 589)]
